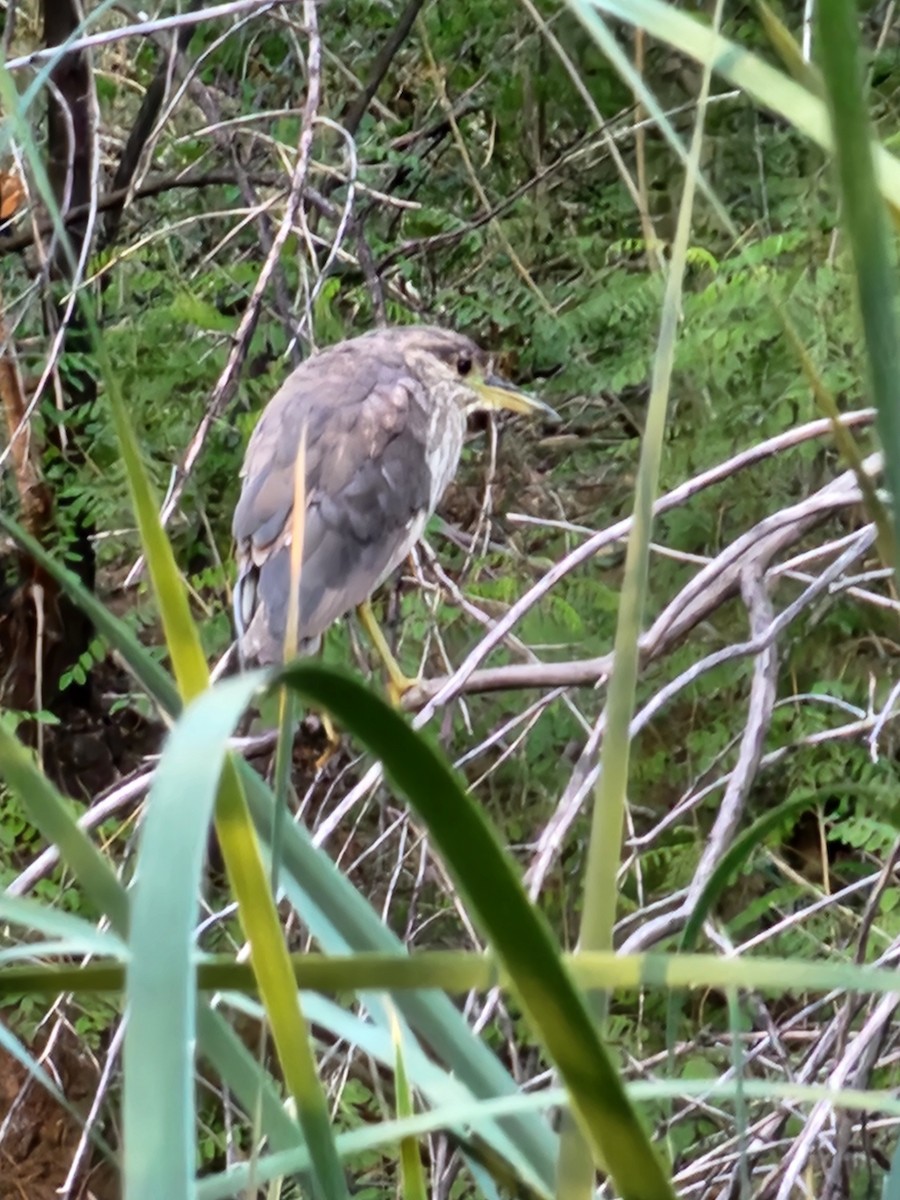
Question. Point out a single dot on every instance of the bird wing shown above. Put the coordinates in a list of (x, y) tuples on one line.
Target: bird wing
[(367, 487)]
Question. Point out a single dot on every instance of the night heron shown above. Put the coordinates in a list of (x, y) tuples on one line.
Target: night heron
[(385, 418)]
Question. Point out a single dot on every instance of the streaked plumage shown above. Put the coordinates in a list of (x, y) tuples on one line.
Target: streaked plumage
[(385, 417)]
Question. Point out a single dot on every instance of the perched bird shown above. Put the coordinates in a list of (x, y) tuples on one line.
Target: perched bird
[(385, 418)]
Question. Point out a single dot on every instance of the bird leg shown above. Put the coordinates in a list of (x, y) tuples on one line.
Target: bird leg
[(332, 744), (398, 683)]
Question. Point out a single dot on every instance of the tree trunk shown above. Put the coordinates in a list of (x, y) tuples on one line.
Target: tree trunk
[(41, 633)]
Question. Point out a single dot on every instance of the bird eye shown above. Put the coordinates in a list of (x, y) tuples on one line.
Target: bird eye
[(464, 364)]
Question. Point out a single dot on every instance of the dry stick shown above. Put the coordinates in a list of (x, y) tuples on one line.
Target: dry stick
[(871, 1032), (782, 530), (228, 379), (142, 29), (759, 716), (141, 130), (437, 692), (383, 59), (692, 605)]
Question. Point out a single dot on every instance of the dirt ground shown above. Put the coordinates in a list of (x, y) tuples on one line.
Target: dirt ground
[(40, 1139)]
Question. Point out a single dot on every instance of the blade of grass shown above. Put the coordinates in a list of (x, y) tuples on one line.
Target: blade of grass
[(601, 890), (412, 1175), (194, 769), (865, 222), (787, 49), (231, 1183), (235, 1181), (518, 932), (437, 1085), (341, 919), (158, 1099), (55, 922), (272, 967), (461, 972), (48, 811)]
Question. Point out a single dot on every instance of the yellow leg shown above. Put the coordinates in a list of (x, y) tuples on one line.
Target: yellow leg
[(332, 745), (398, 683)]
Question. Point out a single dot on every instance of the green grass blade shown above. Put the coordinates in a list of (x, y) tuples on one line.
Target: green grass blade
[(272, 967), (234, 1182), (601, 889), (865, 221), (341, 919), (518, 933), (49, 812), (412, 1175), (601, 892), (253, 1086), (158, 1106), (182, 638), (194, 769), (55, 923)]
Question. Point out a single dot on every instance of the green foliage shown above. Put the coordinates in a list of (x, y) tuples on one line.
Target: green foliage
[(576, 316)]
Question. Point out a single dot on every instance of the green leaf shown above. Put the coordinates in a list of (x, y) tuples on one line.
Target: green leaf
[(341, 919), (518, 933), (49, 812), (159, 1106), (865, 221)]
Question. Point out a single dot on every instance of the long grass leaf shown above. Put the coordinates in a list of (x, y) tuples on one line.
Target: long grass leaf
[(188, 780), (865, 221), (49, 812), (158, 1107), (519, 934), (341, 919), (412, 1175), (461, 972)]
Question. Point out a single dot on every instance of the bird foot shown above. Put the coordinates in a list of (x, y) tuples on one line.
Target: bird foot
[(397, 687), (331, 749), (332, 741)]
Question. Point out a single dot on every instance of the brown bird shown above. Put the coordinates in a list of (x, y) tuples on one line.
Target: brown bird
[(385, 418)]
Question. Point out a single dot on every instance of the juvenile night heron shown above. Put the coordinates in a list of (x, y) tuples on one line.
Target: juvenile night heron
[(385, 417)]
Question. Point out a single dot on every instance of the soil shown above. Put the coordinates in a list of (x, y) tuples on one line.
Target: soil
[(41, 1139)]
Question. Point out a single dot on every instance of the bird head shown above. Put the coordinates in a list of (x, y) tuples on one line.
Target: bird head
[(441, 357)]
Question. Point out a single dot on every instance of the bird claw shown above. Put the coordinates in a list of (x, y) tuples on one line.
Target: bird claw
[(332, 742), (331, 748), (397, 688)]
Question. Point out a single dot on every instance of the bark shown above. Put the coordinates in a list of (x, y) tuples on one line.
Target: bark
[(41, 633)]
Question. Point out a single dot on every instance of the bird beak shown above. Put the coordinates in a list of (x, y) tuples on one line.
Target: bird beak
[(496, 392)]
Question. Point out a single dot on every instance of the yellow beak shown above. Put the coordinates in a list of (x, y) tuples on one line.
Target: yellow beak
[(495, 392)]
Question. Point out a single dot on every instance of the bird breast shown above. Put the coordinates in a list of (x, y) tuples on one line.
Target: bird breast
[(446, 432)]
